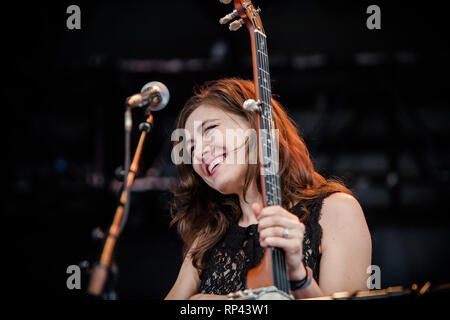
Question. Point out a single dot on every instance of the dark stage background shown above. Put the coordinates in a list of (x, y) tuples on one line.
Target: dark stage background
[(372, 106)]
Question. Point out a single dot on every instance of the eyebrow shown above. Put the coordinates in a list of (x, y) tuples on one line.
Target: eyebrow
[(203, 124)]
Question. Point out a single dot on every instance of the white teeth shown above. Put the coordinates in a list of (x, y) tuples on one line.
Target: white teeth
[(215, 162)]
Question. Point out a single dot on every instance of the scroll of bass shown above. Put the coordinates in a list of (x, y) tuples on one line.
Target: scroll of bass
[(269, 279)]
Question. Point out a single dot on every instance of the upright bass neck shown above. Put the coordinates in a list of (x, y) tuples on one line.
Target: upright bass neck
[(272, 269), (273, 266)]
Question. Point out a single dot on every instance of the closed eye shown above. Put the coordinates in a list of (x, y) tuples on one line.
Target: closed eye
[(205, 131), (210, 127)]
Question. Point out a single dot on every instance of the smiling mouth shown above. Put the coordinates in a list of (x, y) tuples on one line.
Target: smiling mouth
[(215, 163)]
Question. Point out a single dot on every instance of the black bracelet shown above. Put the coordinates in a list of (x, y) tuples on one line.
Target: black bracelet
[(303, 283)]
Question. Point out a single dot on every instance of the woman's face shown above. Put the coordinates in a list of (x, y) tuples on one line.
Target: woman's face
[(217, 146)]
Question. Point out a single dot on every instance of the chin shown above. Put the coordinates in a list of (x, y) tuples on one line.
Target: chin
[(224, 187), (226, 183)]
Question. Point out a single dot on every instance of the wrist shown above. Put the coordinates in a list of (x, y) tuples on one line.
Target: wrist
[(298, 274), (302, 283)]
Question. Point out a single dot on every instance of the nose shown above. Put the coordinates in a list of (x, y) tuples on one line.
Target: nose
[(200, 155), (206, 151)]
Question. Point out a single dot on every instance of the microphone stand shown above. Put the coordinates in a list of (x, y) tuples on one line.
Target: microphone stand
[(100, 272)]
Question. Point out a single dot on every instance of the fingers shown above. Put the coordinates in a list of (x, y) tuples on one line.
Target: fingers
[(278, 232), (272, 221), (289, 245), (273, 236), (279, 221), (276, 216), (276, 210)]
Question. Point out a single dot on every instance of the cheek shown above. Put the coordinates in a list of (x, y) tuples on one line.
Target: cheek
[(198, 169), (236, 172)]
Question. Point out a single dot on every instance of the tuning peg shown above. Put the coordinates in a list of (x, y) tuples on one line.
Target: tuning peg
[(229, 17), (235, 25), (252, 105)]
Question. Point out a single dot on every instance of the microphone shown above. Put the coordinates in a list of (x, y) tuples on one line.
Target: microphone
[(154, 95)]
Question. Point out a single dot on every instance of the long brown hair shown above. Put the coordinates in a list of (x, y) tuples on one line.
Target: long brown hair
[(203, 214)]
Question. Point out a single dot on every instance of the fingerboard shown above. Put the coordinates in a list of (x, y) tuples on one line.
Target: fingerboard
[(269, 139), (269, 148)]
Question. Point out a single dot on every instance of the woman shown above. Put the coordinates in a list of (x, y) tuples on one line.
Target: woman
[(218, 207)]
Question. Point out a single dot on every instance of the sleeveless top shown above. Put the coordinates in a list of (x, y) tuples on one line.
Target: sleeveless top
[(239, 250)]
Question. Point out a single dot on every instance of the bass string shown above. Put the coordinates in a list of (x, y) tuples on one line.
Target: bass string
[(275, 267), (282, 270)]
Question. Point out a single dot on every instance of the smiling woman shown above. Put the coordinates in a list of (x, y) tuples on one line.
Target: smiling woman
[(218, 205), (213, 148)]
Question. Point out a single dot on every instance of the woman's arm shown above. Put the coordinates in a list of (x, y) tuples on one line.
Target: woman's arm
[(187, 282), (346, 253), (346, 245), (273, 222)]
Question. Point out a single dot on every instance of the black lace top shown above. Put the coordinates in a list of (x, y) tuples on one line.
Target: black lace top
[(239, 250)]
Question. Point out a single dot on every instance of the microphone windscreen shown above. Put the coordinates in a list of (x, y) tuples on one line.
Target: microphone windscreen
[(161, 88)]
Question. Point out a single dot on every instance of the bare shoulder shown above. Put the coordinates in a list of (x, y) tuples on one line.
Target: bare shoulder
[(346, 244), (342, 217), (339, 206)]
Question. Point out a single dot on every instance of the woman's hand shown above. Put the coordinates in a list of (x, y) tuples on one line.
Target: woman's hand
[(279, 228)]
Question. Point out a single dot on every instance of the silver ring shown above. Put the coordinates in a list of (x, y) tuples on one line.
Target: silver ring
[(285, 233)]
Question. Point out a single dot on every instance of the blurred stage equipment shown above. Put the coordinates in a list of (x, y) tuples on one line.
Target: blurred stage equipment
[(154, 96), (397, 292)]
